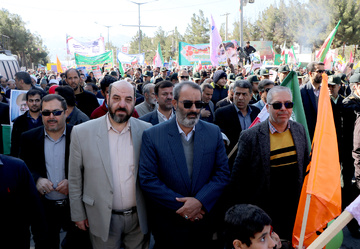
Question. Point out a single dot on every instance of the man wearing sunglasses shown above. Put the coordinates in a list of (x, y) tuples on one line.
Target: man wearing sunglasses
[(183, 75), (310, 94), (271, 163), (183, 171), (264, 87), (45, 150)]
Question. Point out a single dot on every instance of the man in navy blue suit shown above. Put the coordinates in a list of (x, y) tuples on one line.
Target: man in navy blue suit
[(183, 171)]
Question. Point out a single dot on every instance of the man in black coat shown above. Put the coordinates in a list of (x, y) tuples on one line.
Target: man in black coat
[(234, 118)]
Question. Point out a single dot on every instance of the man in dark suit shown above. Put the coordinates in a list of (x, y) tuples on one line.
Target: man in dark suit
[(233, 119), (45, 151), (228, 100), (183, 171), (207, 113), (4, 119), (271, 163), (17, 186), (310, 94), (164, 97)]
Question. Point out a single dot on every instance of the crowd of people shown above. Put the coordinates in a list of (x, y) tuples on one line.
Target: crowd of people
[(165, 158)]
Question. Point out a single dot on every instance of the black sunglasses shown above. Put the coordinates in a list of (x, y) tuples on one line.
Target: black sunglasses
[(184, 77), (188, 104), (278, 105), (55, 113)]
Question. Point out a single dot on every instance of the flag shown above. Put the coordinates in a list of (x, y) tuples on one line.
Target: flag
[(283, 49), (262, 116), (199, 66), (298, 115), (58, 65), (292, 48), (158, 59), (215, 41), (194, 68), (121, 69), (323, 179), (67, 43), (326, 46), (351, 60)]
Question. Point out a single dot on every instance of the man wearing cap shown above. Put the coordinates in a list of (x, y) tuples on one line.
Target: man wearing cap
[(283, 71), (163, 75), (237, 117), (254, 81), (345, 88), (264, 74), (264, 87), (27, 121), (150, 100), (219, 85), (197, 78), (147, 77), (310, 94), (230, 78)]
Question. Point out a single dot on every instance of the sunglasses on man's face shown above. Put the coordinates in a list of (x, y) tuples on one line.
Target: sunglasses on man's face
[(278, 105), (55, 113), (188, 104), (184, 77)]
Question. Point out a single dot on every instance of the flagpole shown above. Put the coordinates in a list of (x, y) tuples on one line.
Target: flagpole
[(305, 217)]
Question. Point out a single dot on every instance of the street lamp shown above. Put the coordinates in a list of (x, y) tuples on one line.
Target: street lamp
[(139, 20), (108, 27)]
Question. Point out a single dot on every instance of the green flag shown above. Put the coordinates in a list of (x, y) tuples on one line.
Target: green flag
[(291, 81), (160, 54), (121, 69)]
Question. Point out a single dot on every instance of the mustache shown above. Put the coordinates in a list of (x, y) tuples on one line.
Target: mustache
[(192, 113), (121, 109), (52, 120)]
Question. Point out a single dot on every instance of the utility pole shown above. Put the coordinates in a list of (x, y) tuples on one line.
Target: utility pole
[(241, 23), (226, 26), (139, 21), (108, 27)]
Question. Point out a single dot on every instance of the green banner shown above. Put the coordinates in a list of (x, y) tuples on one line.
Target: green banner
[(107, 57), (278, 60)]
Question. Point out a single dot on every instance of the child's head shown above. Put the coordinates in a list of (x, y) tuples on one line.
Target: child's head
[(247, 226)]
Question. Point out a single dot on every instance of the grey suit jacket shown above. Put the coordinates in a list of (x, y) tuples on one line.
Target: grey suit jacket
[(250, 177), (90, 175)]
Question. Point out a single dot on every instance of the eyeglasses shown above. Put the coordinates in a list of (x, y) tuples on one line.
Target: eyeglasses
[(320, 71), (55, 113), (184, 77), (278, 105), (188, 104)]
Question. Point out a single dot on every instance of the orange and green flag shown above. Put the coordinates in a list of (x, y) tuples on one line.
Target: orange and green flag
[(321, 192)]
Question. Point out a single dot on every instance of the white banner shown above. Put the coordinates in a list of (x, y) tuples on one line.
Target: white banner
[(91, 48), (131, 58)]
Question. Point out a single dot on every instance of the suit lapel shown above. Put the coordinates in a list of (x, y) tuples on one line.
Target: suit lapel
[(135, 136), (198, 152), (311, 94), (102, 142), (177, 150), (264, 138)]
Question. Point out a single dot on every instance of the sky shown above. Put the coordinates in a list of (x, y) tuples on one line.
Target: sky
[(85, 20)]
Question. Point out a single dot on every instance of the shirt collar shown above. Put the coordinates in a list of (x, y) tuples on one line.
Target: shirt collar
[(163, 116), (334, 99), (248, 109), (189, 135), (273, 129), (47, 135), (110, 127)]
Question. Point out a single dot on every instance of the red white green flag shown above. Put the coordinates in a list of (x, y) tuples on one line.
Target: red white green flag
[(321, 55)]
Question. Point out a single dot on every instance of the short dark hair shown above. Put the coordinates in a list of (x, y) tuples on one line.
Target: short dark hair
[(206, 85), (51, 97), (68, 94), (33, 92), (25, 76), (105, 82), (162, 84), (264, 83), (242, 222), (311, 66), (70, 69), (94, 86), (178, 87), (243, 84)]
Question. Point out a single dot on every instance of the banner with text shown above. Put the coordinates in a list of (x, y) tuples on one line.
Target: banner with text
[(264, 48), (90, 62), (90, 48), (131, 58)]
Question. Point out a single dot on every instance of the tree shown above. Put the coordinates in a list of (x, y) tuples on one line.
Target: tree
[(198, 31), (27, 46)]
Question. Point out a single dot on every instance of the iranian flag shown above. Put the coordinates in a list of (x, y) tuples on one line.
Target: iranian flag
[(158, 59), (326, 46), (199, 66), (262, 116), (283, 49)]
